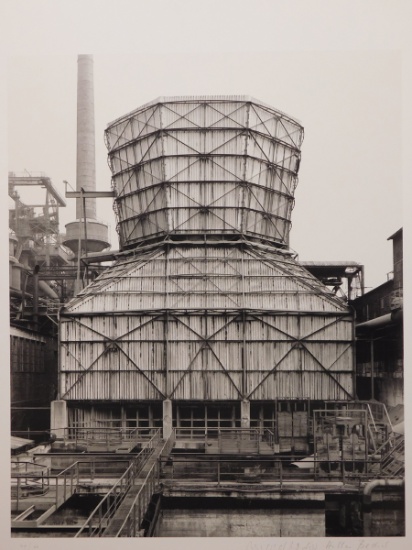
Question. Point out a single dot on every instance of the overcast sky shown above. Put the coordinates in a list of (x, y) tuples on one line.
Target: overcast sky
[(348, 201)]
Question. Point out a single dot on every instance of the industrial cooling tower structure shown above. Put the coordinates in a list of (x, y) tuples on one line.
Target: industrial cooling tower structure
[(206, 319)]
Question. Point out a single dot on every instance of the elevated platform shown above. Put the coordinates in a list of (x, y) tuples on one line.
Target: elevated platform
[(237, 447)]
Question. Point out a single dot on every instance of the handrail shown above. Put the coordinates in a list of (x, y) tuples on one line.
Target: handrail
[(399, 445), (65, 482), (393, 442), (26, 464), (220, 470), (121, 432), (269, 437), (31, 480), (387, 416), (72, 470), (256, 434), (196, 432), (106, 435), (140, 503), (118, 491), (201, 432), (371, 416)]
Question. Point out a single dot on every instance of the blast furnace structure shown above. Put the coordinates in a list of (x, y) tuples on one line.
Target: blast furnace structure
[(206, 319)]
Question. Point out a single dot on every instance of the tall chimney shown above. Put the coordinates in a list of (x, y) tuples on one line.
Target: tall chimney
[(86, 160), (86, 224)]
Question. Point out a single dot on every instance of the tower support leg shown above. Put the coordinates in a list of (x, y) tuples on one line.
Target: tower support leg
[(167, 418), (59, 418), (245, 413)]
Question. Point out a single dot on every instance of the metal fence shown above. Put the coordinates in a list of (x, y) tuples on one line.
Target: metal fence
[(231, 438), (195, 468), (29, 479), (107, 437)]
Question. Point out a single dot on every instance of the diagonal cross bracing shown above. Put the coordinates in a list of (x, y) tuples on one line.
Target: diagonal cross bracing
[(205, 342)]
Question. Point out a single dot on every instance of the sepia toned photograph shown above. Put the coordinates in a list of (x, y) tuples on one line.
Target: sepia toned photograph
[(206, 294)]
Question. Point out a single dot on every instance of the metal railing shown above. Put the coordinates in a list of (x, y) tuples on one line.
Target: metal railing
[(393, 463), (240, 439), (269, 437), (28, 478), (66, 482), (99, 519), (224, 435), (194, 469), (63, 484), (106, 437), (26, 466), (26, 484), (199, 433), (133, 520)]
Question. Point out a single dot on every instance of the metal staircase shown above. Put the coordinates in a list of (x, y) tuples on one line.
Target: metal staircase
[(389, 446), (392, 457)]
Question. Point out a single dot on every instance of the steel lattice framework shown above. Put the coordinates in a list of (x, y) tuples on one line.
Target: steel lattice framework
[(205, 302), (193, 322), (214, 166)]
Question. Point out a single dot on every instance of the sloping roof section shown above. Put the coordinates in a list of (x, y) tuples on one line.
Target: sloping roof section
[(19, 443), (200, 99), (177, 277)]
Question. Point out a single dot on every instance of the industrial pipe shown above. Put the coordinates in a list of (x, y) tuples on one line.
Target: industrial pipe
[(394, 317), (36, 295), (46, 289), (367, 500)]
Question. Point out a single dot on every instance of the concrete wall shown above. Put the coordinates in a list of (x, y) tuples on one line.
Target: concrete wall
[(241, 523), (391, 391), (388, 513), (388, 523)]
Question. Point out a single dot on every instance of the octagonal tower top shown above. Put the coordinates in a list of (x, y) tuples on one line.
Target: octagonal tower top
[(204, 166)]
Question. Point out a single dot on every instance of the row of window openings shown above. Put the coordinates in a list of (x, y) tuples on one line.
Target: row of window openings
[(186, 416)]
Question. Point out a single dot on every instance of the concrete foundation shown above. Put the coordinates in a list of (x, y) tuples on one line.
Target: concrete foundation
[(241, 523), (58, 418), (245, 414), (167, 418), (391, 391)]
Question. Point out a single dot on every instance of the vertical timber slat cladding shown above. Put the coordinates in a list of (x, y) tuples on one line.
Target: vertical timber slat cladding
[(198, 160), (205, 302), (298, 341)]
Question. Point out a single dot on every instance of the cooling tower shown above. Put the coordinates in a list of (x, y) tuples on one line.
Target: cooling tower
[(206, 318), (210, 167)]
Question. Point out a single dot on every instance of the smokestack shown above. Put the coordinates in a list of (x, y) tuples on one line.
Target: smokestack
[(86, 159), (86, 232)]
